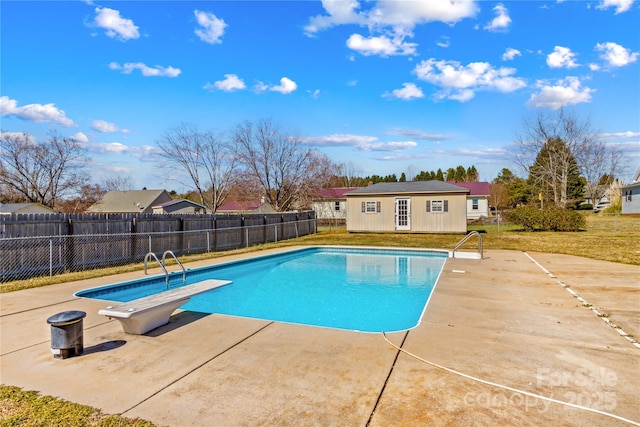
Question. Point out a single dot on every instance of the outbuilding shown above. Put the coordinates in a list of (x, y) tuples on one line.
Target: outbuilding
[(408, 207)]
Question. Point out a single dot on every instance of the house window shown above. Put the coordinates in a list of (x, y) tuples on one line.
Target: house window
[(336, 206), (370, 207), (437, 206), (628, 195), (474, 204)]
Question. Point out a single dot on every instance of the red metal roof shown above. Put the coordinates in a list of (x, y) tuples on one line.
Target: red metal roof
[(475, 188), (333, 193)]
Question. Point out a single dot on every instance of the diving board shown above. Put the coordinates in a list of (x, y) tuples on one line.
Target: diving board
[(141, 315)]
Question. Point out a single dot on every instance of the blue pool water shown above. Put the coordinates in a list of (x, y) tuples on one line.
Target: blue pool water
[(368, 290)]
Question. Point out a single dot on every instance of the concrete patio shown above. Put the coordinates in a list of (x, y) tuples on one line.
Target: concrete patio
[(503, 319)]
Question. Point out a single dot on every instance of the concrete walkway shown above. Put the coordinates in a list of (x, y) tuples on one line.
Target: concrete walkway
[(508, 319)]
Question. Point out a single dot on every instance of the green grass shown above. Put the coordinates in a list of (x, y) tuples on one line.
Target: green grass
[(28, 408), (607, 237)]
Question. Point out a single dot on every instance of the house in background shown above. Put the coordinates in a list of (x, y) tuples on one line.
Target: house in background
[(135, 201), (252, 206), (477, 199), (412, 207), (330, 204), (631, 196), (179, 206), (24, 208)]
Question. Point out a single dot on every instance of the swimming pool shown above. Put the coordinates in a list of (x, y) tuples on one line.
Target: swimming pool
[(367, 290)]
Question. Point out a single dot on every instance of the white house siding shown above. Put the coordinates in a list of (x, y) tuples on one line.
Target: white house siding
[(631, 199), (421, 221), (483, 207), (325, 210)]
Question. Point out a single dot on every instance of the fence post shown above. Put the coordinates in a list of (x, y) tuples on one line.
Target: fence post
[(150, 243), (69, 256), (50, 257), (208, 244), (134, 239)]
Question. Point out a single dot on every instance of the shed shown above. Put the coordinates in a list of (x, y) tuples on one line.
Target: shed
[(179, 206), (135, 201), (412, 207)]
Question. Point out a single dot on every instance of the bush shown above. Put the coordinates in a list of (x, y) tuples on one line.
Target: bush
[(534, 219)]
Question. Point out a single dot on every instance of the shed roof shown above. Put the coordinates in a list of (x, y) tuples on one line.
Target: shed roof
[(134, 201), (433, 186)]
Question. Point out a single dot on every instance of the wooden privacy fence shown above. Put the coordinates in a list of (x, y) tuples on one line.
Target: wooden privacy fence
[(35, 245)]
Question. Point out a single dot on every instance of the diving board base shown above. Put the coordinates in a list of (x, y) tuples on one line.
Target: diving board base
[(142, 315)]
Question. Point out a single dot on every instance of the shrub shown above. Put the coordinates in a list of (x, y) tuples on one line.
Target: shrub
[(534, 219)]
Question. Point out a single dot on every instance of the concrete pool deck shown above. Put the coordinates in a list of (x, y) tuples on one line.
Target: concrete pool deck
[(508, 319)]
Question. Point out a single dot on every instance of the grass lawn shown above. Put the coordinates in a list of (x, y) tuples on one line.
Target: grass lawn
[(607, 237)]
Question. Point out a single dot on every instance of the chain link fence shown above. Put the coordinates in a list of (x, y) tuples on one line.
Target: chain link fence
[(24, 258)]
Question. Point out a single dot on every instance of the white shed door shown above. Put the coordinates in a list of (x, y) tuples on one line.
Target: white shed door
[(403, 214)]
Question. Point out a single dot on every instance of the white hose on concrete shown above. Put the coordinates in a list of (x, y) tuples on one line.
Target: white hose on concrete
[(526, 393)]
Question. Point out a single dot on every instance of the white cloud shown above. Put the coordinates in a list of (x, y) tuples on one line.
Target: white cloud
[(106, 127), (502, 20), (408, 91), (620, 5), (315, 94), (561, 57), (627, 134), (146, 70), (230, 83), (389, 22), (404, 14), (38, 113), (212, 27), (116, 26), (444, 43), (594, 67), (616, 55), (286, 86), (359, 142), (381, 45), (510, 54), (568, 91), (460, 82), (416, 134), (80, 137)]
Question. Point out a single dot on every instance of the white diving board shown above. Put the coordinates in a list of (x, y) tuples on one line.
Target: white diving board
[(141, 315)]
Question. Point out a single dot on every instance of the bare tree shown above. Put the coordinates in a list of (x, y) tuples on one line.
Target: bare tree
[(118, 183), (41, 172), (598, 161), (208, 159), (570, 146), (284, 167), (350, 174)]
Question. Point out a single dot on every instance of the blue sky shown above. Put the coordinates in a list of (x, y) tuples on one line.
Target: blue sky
[(386, 86)]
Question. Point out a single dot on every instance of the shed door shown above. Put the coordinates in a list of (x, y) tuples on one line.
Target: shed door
[(403, 214)]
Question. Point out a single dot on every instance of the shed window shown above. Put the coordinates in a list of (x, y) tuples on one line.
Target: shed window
[(336, 206), (629, 195), (371, 207), (474, 204), (437, 206)]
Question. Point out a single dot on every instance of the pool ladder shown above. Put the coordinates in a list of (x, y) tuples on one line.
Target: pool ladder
[(465, 239), (163, 265)]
